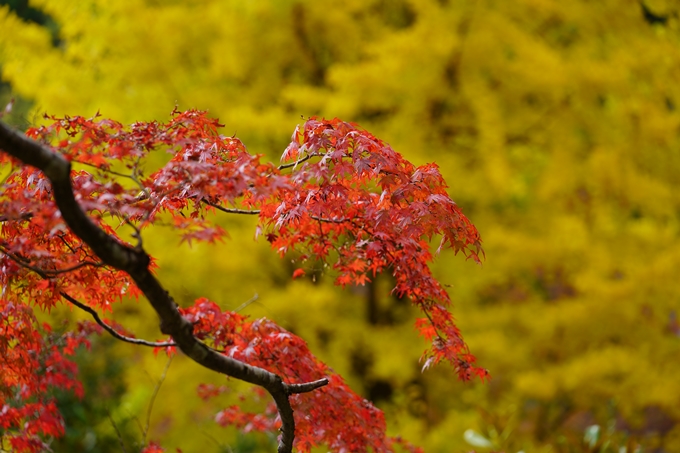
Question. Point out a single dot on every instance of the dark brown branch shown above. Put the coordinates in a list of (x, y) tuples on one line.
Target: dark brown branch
[(299, 161), (105, 170), (45, 273), (135, 262), (53, 272), (23, 216), (321, 219), (257, 211), (232, 210), (48, 274), (114, 333), (306, 387)]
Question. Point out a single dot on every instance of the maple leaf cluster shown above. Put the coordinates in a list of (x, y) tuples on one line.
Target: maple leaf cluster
[(366, 209), (34, 362), (340, 196), (265, 344)]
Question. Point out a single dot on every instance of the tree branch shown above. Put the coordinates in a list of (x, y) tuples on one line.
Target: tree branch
[(53, 272), (135, 262), (23, 216), (232, 210), (46, 274), (110, 329), (257, 211), (118, 434), (156, 389), (321, 219), (306, 387), (299, 161)]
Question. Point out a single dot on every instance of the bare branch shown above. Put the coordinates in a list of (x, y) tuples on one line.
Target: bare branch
[(108, 170), (137, 232), (257, 211), (232, 210), (53, 272), (321, 219), (246, 303), (299, 161), (45, 273), (23, 216), (118, 434), (156, 389), (110, 329)]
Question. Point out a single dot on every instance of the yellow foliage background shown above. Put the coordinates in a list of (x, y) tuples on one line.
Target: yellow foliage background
[(557, 126)]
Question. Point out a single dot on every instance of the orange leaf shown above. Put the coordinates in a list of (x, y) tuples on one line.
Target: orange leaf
[(298, 273)]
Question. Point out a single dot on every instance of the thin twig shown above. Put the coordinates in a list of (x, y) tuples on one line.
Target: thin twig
[(118, 434), (22, 216), (216, 442), (111, 330), (257, 211), (66, 243), (321, 219), (232, 210), (137, 232), (246, 303), (136, 419), (153, 398), (45, 273), (299, 161), (439, 336), (107, 170), (53, 272)]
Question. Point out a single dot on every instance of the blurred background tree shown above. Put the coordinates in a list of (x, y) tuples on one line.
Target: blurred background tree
[(98, 422), (556, 124)]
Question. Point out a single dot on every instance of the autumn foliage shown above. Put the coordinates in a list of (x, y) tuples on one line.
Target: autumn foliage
[(341, 197)]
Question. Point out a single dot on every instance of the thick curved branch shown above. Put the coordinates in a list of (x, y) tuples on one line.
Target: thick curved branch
[(135, 262)]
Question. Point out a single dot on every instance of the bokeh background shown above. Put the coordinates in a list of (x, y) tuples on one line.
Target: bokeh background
[(557, 126)]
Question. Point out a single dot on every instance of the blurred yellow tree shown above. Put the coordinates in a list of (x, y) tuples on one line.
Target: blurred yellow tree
[(556, 124)]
